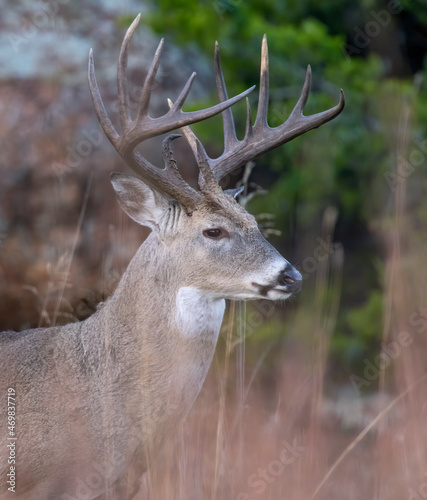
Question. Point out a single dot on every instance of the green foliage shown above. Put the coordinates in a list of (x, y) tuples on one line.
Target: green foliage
[(365, 325), (342, 164), (418, 7)]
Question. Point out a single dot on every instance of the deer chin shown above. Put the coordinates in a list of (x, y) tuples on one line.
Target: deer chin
[(271, 292), (278, 294)]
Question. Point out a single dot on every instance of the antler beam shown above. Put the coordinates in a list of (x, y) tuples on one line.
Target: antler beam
[(144, 127), (258, 138)]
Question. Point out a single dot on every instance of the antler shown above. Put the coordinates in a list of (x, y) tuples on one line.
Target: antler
[(144, 127), (259, 138)]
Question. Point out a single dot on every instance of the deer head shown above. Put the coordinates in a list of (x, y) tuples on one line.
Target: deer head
[(215, 242)]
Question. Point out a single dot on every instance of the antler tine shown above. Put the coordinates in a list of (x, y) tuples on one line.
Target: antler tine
[(183, 95), (170, 162), (299, 106), (248, 130), (313, 121), (122, 83), (148, 83), (100, 111), (261, 118), (188, 133), (172, 167), (199, 151), (227, 116), (208, 183)]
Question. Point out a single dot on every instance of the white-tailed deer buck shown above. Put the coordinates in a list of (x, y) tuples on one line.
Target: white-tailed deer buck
[(96, 399)]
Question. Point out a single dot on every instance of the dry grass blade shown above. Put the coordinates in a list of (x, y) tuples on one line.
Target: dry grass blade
[(359, 438), (73, 248)]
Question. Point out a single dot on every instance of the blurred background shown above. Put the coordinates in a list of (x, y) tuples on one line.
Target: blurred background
[(335, 379)]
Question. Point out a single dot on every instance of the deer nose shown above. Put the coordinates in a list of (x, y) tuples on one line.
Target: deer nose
[(291, 279)]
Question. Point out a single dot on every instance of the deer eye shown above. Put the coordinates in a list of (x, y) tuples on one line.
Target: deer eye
[(215, 233)]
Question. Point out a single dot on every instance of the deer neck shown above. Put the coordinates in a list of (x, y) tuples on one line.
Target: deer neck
[(164, 329), (154, 292)]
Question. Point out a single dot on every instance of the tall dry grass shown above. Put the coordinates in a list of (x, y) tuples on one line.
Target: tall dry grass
[(290, 434), (235, 442)]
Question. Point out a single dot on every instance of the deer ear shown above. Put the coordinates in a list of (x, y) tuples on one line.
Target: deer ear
[(139, 201)]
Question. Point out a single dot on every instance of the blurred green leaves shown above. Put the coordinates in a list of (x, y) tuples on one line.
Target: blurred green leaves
[(342, 164)]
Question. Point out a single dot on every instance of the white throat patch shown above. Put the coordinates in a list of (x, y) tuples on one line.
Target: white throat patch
[(197, 313)]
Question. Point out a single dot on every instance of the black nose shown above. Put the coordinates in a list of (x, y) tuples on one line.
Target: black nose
[(291, 279)]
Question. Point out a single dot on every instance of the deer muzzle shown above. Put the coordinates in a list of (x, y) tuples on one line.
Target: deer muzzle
[(290, 279)]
